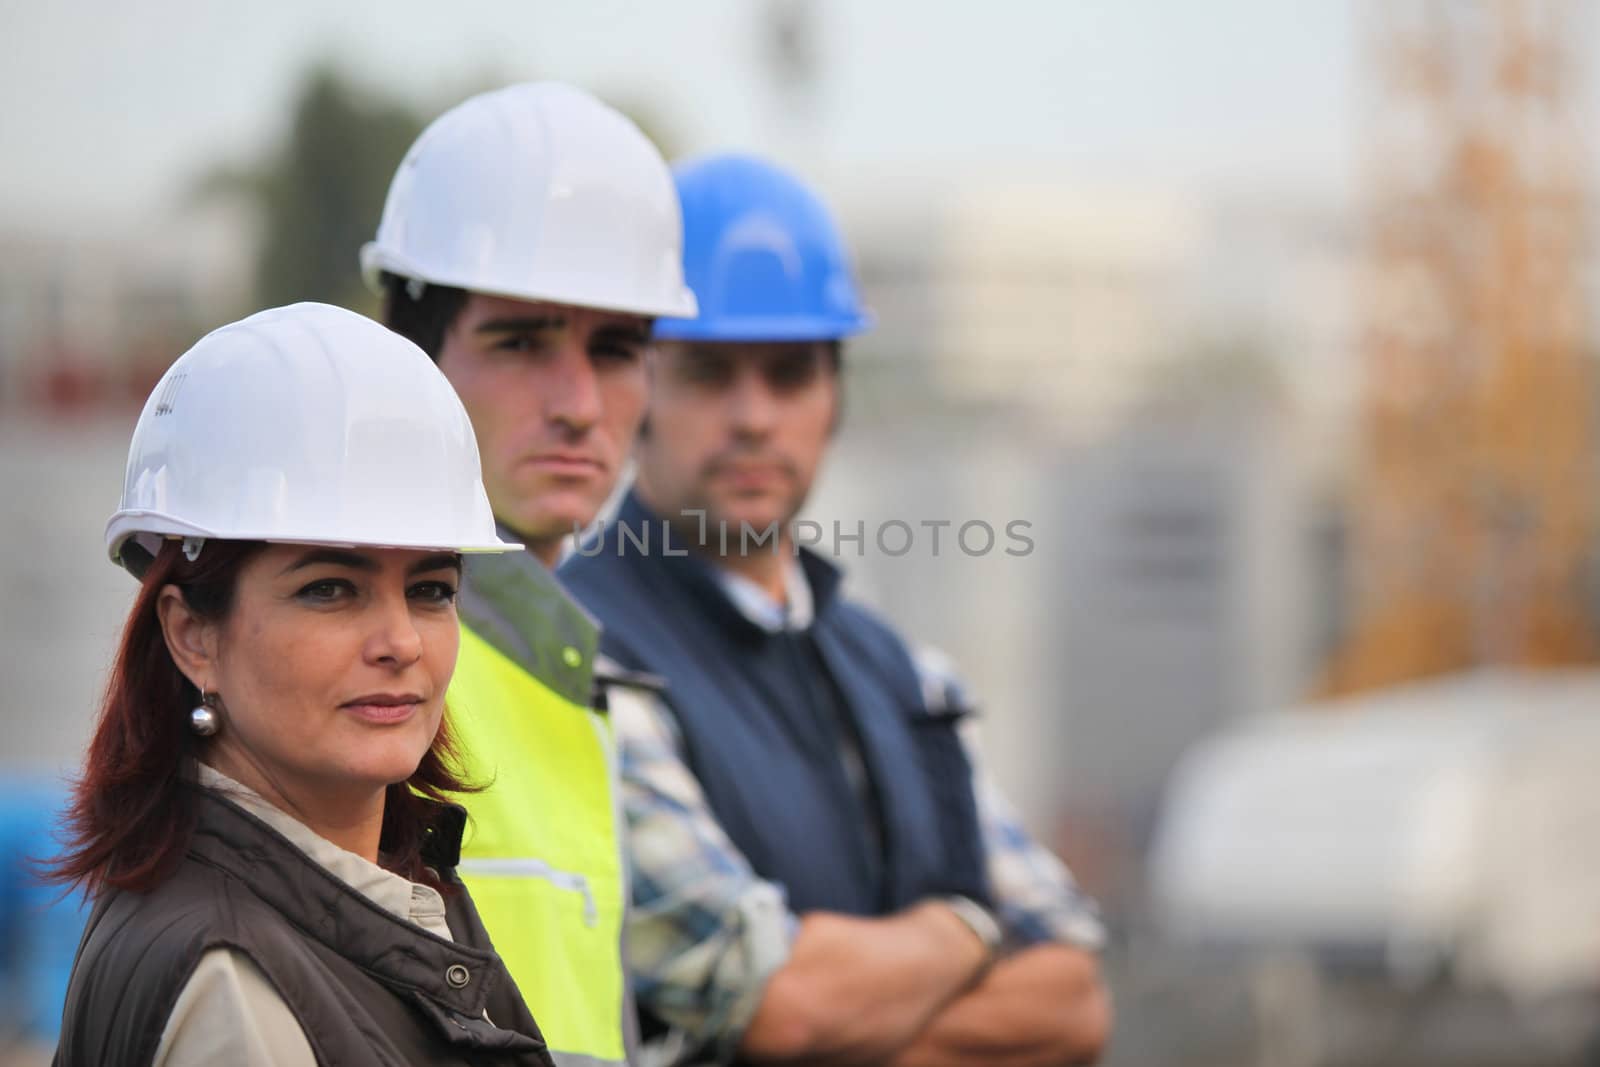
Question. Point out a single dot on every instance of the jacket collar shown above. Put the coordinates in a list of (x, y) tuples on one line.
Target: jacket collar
[(394, 893), (511, 601), (399, 954), (694, 566)]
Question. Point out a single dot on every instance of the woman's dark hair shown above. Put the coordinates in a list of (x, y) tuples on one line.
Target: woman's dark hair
[(422, 319), (132, 811)]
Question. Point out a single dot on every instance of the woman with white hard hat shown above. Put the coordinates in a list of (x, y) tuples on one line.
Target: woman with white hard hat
[(261, 817)]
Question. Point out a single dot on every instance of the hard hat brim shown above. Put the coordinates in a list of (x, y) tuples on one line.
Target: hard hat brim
[(128, 524), (375, 260), (758, 329)]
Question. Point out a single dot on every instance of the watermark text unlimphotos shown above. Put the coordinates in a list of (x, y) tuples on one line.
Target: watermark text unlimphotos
[(891, 537)]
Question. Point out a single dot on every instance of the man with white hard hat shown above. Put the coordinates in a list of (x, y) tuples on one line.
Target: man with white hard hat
[(530, 238)]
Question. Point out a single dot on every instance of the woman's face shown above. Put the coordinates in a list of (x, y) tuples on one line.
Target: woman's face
[(331, 666)]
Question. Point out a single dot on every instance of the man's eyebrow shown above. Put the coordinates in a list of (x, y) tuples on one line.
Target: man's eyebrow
[(639, 334), (521, 324)]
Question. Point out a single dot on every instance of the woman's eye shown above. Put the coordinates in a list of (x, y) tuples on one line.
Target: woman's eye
[(326, 591), (434, 592)]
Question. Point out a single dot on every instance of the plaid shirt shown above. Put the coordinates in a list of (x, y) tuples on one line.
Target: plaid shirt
[(706, 932)]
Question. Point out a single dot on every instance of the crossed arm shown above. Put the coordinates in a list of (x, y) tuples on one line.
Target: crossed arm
[(906, 991), (716, 954), (1043, 1007), (855, 991)]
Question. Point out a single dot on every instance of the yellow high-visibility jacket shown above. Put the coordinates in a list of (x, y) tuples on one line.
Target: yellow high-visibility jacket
[(542, 854)]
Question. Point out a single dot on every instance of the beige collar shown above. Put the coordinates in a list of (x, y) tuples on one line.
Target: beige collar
[(398, 896)]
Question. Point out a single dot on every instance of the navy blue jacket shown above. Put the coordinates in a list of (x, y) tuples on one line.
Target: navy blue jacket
[(761, 716)]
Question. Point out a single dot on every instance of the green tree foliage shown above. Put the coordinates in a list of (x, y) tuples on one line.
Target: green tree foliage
[(318, 196)]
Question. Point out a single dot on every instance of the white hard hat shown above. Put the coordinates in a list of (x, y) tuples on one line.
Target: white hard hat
[(305, 424), (537, 192)]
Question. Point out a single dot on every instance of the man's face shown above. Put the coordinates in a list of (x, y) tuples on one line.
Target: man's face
[(737, 430), (555, 394)]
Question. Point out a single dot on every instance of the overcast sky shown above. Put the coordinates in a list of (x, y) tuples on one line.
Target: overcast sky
[(109, 107)]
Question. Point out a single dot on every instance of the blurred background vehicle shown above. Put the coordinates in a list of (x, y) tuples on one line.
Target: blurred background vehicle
[(1428, 841)]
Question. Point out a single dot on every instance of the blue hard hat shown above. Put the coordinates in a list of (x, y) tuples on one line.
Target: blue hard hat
[(763, 257)]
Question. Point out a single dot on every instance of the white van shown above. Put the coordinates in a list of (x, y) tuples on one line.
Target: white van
[(1445, 833)]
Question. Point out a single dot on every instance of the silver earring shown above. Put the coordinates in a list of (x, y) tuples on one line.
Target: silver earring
[(203, 719)]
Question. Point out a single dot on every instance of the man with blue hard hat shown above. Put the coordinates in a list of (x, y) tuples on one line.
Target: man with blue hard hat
[(819, 874)]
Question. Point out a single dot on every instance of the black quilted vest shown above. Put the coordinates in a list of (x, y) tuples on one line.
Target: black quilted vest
[(366, 986)]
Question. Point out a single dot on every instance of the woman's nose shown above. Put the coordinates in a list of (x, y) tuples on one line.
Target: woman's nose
[(395, 640)]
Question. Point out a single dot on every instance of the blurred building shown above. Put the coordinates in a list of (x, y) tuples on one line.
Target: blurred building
[(1040, 297), (1068, 303), (1161, 594), (90, 321), (1156, 387)]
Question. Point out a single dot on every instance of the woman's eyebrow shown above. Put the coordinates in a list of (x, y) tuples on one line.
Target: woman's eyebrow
[(443, 561), (338, 557)]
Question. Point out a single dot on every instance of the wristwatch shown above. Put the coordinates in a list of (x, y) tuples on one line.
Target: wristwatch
[(979, 919)]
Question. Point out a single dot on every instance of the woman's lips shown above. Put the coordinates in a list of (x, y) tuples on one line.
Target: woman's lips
[(383, 710)]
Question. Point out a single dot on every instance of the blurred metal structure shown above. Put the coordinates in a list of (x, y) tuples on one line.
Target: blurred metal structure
[(1473, 507)]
